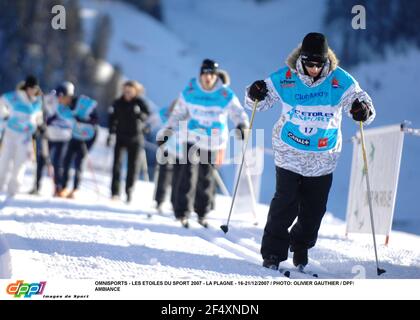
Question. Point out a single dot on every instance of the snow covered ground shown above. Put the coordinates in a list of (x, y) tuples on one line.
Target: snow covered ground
[(143, 48), (95, 237)]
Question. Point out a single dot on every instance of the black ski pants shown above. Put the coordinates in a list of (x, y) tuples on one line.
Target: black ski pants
[(56, 150), (133, 147), (296, 196), (194, 183), (77, 150), (163, 182)]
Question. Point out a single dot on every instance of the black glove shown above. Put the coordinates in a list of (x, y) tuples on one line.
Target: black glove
[(39, 132), (240, 131), (258, 90), (360, 111), (42, 128)]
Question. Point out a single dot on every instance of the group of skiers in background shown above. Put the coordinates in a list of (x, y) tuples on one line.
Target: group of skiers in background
[(60, 128), (57, 128), (312, 90)]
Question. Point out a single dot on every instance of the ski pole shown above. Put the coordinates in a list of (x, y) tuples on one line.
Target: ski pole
[(378, 270), (92, 171), (85, 150), (219, 182), (225, 227), (45, 154)]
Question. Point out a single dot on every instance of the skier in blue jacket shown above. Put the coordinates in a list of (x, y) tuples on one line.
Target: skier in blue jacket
[(55, 134), (85, 127), (313, 92), (23, 110), (205, 105)]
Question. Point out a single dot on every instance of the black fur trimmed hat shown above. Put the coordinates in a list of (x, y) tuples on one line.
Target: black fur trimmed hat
[(31, 82), (209, 66), (314, 47)]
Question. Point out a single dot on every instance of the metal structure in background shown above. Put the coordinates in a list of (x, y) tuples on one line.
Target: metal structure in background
[(405, 128)]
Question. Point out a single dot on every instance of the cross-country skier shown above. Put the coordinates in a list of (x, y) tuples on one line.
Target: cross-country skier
[(23, 109), (83, 136), (127, 122), (313, 91), (205, 105), (58, 115)]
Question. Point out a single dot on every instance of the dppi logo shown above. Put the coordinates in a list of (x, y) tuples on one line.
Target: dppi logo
[(27, 290)]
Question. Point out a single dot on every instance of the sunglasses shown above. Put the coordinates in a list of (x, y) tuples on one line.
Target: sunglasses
[(311, 64), (208, 71)]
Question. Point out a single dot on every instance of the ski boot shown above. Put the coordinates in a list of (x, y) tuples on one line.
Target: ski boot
[(34, 192), (72, 194), (271, 262), (203, 221), (300, 258), (184, 222)]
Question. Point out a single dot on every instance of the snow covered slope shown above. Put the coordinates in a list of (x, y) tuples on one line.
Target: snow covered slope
[(94, 237), (143, 48)]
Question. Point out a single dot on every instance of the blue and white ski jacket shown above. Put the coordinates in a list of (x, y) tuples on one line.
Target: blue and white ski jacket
[(23, 115), (59, 119), (206, 113), (307, 137), (86, 118)]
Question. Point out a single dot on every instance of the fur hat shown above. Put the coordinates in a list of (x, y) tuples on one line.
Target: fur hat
[(209, 66), (31, 82), (314, 47)]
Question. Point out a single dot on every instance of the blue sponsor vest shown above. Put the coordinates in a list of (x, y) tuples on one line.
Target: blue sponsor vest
[(84, 107), (64, 117), (204, 105), (21, 113), (312, 114)]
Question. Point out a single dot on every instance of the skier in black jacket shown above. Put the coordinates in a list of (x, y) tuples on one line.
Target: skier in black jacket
[(127, 117)]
